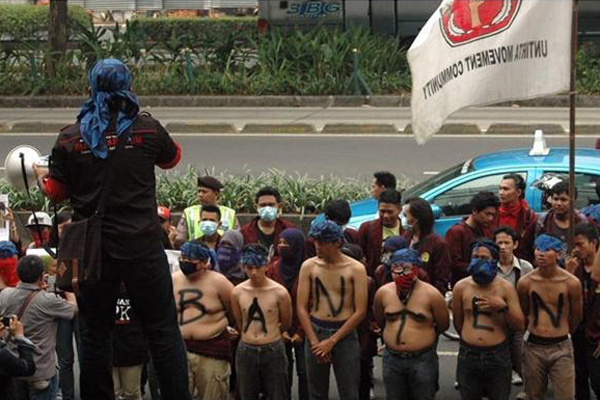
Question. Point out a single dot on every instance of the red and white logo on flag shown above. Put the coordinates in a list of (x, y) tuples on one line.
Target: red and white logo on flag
[(465, 21)]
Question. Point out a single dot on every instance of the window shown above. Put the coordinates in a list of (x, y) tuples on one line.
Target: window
[(586, 187), (456, 201)]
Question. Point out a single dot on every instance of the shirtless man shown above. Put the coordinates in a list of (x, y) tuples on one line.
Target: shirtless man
[(485, 307), (332, 301), (412, 313), (263, 310), (202, 297), (552, 302)]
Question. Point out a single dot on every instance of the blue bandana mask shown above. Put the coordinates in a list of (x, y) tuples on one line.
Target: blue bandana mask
[(187, 267), (268, 213), (208, 228), (546, 243), (483, 271)]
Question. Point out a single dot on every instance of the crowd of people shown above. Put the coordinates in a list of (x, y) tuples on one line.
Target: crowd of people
[(250, 303), (254, 300)]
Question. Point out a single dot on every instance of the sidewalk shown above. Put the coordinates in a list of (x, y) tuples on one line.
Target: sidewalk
[(318, 120)]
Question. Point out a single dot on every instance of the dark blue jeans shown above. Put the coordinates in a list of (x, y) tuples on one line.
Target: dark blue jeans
[(346, 366), (295, 353), (410, 378), (66, 355), (262, 369), (484, 372), (149, 285), (587, 367)]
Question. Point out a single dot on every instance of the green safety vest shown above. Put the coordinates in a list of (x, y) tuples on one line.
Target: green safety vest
[(192, 219)]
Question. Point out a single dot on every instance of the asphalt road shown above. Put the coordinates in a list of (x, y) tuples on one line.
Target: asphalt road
[(483, 117), (316, 155)]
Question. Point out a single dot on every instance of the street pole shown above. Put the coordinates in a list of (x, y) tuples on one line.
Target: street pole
[(572, 96)]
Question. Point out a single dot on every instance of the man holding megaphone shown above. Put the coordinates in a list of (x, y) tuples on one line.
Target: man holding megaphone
[(104, 165)]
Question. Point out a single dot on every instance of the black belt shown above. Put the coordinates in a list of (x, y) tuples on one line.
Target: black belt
[(546, 341)]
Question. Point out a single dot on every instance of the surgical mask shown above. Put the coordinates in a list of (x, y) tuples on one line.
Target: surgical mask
[(483, 271), (187, 267), (385, 258), (208, 228), (404, 221), (268, 213)]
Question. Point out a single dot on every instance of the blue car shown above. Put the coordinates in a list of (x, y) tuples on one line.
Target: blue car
[(450, 191)]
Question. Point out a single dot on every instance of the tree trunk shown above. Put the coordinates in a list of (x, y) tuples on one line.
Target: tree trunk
[(57, 32)]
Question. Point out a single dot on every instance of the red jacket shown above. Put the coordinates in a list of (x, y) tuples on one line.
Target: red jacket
[(591, 306), (459, 239), (526, 218), (273, 273), (435, 256), (371, 240), (250, 230)]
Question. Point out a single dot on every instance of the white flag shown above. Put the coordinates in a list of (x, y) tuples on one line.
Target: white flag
[(478, 52)]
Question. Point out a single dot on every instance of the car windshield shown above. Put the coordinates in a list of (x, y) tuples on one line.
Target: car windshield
[(428, 184)]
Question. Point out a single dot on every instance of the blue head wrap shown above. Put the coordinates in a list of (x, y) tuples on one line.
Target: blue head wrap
[(254, 255), (592, 212), (547, 242), (490, 245), (8, 249), (199, 251), (109, 79), (407, 256), (395, 243), (326, 231)]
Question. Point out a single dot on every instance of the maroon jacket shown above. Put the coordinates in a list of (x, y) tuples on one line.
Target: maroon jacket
[(350, 235), (459, 239), (273, 273), (435, 256), (591, 305), (371, 240), (543, 225), (250, 230)]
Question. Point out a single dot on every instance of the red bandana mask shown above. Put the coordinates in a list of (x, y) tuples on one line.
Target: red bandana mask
[(405, 283)]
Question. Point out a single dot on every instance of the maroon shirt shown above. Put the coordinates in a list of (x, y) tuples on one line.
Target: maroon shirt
[(591, 305), (273, 273), (459, 239), (371, 240), (435, 256), (251, 235)]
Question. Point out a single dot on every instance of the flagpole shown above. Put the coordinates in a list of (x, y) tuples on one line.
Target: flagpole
[(572, 96)]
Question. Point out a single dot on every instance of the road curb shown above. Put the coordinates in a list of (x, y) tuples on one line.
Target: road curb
[(332, 128), (401, 100)]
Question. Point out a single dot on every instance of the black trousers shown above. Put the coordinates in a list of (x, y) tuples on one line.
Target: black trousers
[(149, 285)]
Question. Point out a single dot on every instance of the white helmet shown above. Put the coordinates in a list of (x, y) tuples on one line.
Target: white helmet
[(43, 219)]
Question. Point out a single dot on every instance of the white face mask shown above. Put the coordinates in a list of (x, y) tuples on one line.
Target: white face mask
[(208, 228), (267, 213), (404, 222)]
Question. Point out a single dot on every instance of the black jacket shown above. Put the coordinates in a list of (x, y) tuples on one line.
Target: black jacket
[(12, 366)]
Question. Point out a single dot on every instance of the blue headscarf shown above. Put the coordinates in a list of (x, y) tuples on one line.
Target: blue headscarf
[(326, 231), (395, 243), (406, 256), (592, 212), (199, 251), (109, 79), (488, 244), (254, 255), (548, 242), (7, 249)]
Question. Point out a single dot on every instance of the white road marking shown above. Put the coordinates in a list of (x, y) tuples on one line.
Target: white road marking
[(431, 172)]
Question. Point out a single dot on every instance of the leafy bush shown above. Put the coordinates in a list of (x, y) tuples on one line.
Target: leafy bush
[(301, 194), (29, 22), (588, 69)]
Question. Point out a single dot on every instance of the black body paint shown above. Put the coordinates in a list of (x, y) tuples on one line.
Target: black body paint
[(252, 316), (539, 303), (476, 313), (193, 302), (319, 287), (402, 314)]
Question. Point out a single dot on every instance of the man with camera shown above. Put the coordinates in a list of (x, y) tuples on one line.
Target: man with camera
[(39, 311), (12, 366)]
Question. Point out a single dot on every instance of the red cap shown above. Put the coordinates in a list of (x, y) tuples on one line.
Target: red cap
[(164, 213)]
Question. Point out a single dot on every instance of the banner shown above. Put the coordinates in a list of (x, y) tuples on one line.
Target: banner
[(478, 52)]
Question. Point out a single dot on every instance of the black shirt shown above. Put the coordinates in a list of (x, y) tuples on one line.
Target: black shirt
[(130, 225)]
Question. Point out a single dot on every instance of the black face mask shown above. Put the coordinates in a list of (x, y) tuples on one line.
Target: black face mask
[(188, 268)]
